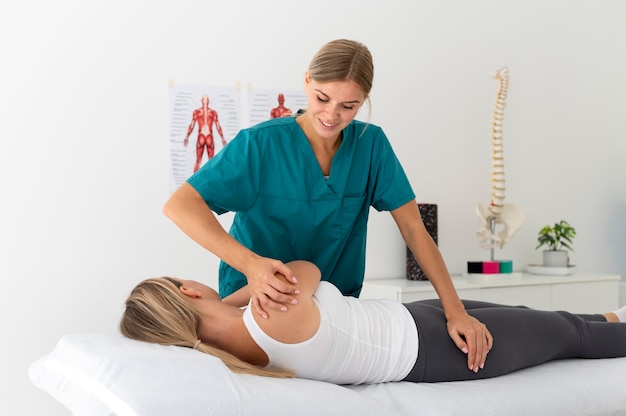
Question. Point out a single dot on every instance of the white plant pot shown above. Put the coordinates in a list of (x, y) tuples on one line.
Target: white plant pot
[(555, 258)]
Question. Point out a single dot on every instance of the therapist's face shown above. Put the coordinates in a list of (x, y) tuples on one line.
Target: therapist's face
[(332, 105)]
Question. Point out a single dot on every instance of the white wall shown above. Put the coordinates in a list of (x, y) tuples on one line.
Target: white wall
[(84, 157)]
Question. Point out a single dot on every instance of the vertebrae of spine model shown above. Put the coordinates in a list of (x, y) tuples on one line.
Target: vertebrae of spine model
[(498, 186), (508, 217)]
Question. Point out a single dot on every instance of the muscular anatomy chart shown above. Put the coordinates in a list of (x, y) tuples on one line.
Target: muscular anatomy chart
[(204, 118), (202, 121), (264, 104)]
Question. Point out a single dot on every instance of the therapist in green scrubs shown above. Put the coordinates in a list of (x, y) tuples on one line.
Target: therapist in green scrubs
[(301, 188)]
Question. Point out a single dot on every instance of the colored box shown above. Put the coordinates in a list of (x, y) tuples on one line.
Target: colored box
[(506, 266), (491, 267), (474, 266)]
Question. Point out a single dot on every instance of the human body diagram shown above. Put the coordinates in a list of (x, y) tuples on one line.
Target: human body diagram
[(205, 118)]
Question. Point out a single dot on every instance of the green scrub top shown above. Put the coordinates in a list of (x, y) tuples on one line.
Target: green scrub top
[(286, 209)]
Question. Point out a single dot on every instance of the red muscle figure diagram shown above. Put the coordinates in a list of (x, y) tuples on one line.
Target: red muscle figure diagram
[(281, 110), (205, 117)]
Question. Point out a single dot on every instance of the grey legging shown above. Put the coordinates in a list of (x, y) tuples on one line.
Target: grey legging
[(523, 338)]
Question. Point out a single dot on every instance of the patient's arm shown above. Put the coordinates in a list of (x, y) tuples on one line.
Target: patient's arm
[(239, 298)]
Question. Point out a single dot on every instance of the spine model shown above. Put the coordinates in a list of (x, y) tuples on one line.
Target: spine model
[(497, 168), (508, 217)]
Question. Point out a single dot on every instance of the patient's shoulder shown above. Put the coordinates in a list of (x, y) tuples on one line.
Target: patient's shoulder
[(308, 275), (301, 321)]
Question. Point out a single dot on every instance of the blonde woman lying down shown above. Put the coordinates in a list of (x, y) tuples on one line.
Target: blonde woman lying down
[(345, 340)]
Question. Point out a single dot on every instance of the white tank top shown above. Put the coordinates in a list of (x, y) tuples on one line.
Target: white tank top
[(358, 341)]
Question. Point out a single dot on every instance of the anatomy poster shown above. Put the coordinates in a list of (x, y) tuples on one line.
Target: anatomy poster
[(264, 104), (202, 121)]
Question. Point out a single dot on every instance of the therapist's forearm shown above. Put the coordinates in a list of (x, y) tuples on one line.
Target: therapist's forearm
[(192, 215), (430, 260), (427, 254)]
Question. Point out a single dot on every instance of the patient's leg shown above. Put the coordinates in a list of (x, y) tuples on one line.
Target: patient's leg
[(522, 338)]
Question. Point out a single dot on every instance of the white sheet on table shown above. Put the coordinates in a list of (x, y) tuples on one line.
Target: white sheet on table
[(97, 375)]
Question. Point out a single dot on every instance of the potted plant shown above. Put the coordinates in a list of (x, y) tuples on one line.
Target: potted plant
[(556, 239)]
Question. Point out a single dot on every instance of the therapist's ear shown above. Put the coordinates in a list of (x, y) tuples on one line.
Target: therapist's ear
[(189, 292)]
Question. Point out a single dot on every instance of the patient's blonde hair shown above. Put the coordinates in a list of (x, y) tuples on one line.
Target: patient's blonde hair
[(157, 312)]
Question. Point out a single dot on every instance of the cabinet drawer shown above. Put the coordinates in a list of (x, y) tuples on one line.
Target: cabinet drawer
[(537, 297), (407, 297), (595, 297)]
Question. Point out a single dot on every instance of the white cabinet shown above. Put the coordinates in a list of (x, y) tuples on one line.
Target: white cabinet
[(584, 293)]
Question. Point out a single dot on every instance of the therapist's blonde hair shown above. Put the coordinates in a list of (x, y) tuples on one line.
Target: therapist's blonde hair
[(344, 60), (157, 312)]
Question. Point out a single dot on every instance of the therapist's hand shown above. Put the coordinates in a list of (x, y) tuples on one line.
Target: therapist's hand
[(472, 337), (269, 291)]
